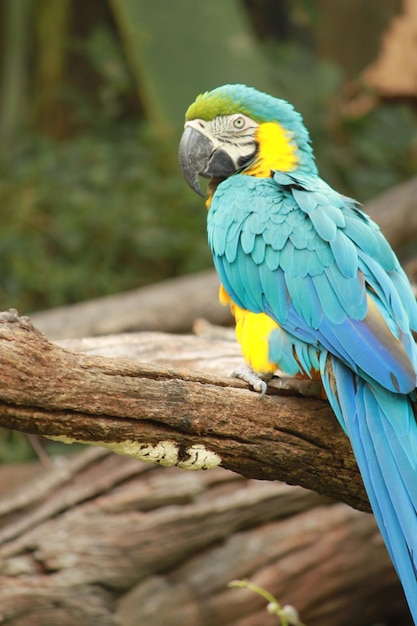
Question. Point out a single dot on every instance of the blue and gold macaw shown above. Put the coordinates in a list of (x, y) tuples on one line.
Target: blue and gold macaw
[(315, 289)]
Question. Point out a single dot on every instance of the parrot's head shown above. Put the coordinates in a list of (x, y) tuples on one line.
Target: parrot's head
[(235, 128)]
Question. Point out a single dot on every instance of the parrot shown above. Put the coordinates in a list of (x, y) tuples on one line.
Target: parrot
[(315, 288)]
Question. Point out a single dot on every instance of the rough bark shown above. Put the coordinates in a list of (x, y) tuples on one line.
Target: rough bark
[(102, 540), (173, 415), (105, 540)]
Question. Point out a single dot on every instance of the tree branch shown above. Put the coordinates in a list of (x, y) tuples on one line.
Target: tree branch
[(172, 415), (100, 540), (171, 305)]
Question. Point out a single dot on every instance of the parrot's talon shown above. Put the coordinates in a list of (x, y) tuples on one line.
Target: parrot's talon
[(251, 378)]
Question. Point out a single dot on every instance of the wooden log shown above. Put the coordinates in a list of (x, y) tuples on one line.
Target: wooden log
[(170, 306), (102, 540), (395, 211), (106, 540), (171, 415)]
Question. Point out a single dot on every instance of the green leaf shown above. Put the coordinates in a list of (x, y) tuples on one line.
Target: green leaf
[(177, 52)]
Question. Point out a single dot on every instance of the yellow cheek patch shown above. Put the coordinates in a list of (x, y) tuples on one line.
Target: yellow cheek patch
[(276, 151), (252, 333)]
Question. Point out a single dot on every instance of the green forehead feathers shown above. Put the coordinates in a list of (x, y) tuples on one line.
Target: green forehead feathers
[(230, 99), (209, 105)]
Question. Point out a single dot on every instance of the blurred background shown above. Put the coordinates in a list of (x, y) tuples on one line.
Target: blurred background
[(92, 100)]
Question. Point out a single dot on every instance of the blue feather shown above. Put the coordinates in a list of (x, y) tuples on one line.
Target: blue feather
[(247, 239), (304, 298), (231, 279), (345, 254), (329, 300), (277, 237), (288, 259), (325, 226), (387, 470), (271, 258), (258, 252), (277, 295), (305, 200), (323, 252), (349, 291), (232, 243), (252, 294), (280, 351)]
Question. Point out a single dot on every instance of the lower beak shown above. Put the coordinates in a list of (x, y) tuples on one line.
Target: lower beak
[(194, 154)]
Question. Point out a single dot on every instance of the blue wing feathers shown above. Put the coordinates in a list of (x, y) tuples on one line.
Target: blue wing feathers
[(280, 233), (278, 299), (288, 260), (345, 254), (277, 237), (306, 201), (329, 301), (325, 227), (247, 239), (295, 249), (272, 258), (304, 299), (323, 252), (400, 282)]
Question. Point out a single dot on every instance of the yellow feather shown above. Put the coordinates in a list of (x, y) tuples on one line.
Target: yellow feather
[(276, 151), (252, 333)]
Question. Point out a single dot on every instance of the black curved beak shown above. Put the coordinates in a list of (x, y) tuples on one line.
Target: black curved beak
[(198, 157), (194, 153)]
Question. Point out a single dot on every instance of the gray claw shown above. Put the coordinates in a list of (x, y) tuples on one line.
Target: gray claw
[(254, 380)]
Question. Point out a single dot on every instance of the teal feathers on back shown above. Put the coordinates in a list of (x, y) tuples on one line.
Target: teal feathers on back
[(303, 255)]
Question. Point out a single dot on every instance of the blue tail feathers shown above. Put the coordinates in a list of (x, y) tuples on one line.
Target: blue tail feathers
[(382, 428)]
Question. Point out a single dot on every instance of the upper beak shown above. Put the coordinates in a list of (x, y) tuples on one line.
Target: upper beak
[(194, 153), (199, 156)]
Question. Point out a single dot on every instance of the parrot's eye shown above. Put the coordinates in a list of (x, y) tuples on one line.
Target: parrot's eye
[(239, 122)]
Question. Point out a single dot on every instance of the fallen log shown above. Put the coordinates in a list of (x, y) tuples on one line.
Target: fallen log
[(172, 415), (170, 306), (105, 540), (395, 211), (102, 540)]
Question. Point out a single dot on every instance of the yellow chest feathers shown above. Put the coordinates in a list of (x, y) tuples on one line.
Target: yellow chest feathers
[(252, 333)]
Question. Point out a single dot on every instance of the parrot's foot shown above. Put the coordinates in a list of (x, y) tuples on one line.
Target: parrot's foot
[(257, 382)]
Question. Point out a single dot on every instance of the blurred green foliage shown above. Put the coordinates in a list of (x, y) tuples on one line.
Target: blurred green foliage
[(107, 209), (97, 214), (102, 207), (14, 447)]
